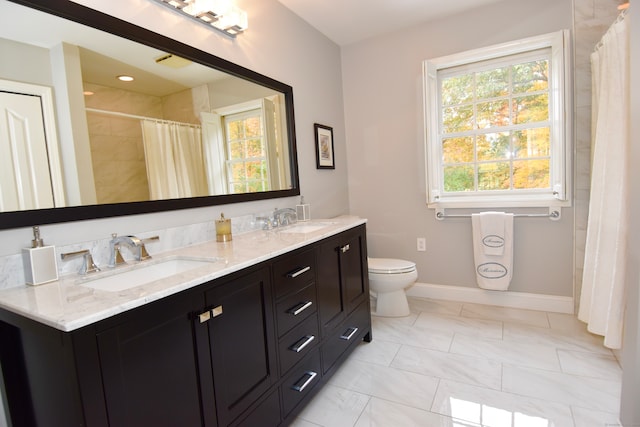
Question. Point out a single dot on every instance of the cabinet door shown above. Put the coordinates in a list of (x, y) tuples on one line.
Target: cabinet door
[(353, 268), (242, 342), (149, 366), (343, 281), (331, 307)]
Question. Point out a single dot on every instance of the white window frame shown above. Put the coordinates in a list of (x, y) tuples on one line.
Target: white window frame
[(250, 109), (560, 116)]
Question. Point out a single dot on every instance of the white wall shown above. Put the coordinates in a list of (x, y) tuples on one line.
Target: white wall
[(277, 44), (382, 80)]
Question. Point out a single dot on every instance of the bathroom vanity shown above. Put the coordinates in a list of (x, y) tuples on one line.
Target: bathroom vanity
[(244, 339)]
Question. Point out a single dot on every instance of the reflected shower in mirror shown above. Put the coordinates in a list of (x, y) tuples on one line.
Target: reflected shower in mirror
[(132, 122)]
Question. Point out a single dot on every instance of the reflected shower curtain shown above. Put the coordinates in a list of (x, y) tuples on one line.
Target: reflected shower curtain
[(602, 297), (174, 158)]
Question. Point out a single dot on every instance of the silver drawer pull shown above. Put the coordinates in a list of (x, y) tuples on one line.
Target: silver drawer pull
[(300, 308), (204, 317), (302, 343), (305, 380), (216, 311), (349, 333), (296, 273), (345, 248)]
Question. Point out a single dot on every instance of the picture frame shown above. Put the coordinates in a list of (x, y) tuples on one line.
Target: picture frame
[(324, 147)]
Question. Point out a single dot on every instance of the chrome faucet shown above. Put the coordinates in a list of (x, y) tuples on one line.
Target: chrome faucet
[(266, 222), (282, 217), (88, 266), (136, 244)]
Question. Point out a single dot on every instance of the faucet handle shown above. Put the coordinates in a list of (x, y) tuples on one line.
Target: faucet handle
[(142, 250), (116, 258), (88, 265)]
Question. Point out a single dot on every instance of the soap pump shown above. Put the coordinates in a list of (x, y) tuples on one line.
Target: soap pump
[(303, 210), (223, 229), (39, 261)]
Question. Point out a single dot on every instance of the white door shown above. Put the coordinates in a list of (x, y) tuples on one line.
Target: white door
[(25, 178)]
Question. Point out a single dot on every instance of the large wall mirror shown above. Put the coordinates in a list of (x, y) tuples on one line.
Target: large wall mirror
[(189, 130)]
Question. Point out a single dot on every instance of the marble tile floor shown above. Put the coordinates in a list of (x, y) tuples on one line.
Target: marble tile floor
[(453, 364)]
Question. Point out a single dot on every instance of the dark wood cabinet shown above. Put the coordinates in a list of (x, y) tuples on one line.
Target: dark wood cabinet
[(248, 349), (343, 281), (149, 366), (242, 342)]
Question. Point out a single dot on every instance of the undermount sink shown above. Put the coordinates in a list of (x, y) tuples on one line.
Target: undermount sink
[(305, 227), (142, 274)]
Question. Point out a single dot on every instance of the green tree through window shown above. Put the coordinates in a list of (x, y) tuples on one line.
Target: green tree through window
[(483, 148), (246, 153)]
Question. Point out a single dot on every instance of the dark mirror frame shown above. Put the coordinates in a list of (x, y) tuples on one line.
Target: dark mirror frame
[(98, 20)]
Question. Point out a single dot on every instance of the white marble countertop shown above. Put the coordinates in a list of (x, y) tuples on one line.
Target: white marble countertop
[(68, 304)]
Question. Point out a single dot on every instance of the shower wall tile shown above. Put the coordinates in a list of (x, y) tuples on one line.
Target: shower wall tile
[(179, 107)]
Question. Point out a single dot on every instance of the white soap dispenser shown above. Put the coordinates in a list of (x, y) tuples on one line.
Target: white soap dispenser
[(303, 210), (40, 264)]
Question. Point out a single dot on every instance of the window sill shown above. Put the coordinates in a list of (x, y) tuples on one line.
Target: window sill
[(497, 202)]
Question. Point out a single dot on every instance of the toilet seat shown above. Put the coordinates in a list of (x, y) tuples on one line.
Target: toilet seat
[(390, 266)]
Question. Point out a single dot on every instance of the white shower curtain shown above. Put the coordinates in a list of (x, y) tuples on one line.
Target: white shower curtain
[(602, 297), (174, 158)]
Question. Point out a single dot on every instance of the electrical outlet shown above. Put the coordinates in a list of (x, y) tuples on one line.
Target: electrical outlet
[(422, 244)]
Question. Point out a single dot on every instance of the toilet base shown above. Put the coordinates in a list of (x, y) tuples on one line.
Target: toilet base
[(392, 304)]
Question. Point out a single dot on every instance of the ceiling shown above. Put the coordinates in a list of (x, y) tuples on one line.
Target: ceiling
[(350, 21)]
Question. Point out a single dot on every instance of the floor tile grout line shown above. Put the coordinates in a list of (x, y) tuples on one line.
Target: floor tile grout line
[(364, 408)]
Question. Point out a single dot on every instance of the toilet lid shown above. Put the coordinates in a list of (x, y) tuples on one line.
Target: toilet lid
[(390, 266)]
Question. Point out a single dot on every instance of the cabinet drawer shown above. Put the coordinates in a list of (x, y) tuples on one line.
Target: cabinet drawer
[(348, 333), (298, 343), (300, 382), (295, 308), (294, 272)]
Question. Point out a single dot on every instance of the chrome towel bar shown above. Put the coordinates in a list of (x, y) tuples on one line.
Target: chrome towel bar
[(554, 215)]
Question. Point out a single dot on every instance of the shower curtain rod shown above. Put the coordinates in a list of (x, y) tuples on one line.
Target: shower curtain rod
[(133, 116), (553, 215), (619, 18)]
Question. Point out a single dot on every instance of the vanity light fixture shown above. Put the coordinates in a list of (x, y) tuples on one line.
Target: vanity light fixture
[(221, 15)]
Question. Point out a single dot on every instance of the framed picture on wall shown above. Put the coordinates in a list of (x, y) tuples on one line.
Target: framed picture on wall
[(324, 147)]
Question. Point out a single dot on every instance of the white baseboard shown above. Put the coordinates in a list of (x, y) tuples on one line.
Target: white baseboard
[(552, 303)]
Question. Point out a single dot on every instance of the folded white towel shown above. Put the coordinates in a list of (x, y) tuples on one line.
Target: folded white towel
[(493, 249)]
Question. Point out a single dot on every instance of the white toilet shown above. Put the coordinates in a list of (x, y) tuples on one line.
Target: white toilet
[(388, 279)]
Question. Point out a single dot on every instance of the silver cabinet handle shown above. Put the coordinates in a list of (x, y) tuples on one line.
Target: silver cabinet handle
[(302, 343), (204, 317), (216, 311), (345, 248), (298, 272), (304, 381), (349, 333), (297, 309)]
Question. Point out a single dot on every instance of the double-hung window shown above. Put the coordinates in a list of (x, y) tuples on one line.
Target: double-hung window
[(498, 125), (246, 152)]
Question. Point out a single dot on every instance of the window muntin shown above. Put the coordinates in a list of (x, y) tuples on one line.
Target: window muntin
[(247, 164), (496, 131), (500, 114)]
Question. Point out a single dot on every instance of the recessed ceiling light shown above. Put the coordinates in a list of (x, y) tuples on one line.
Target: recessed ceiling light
[(87, 93), (125, 78)]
